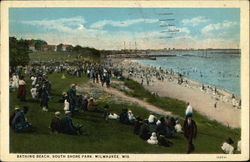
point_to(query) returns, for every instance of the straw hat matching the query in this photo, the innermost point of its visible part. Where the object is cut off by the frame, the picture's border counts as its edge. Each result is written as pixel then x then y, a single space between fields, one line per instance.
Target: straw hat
pixel 73 85
pixel 17 108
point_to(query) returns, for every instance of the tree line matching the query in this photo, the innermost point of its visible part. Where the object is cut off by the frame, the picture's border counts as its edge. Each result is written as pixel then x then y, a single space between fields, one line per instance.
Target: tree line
pixel 20 49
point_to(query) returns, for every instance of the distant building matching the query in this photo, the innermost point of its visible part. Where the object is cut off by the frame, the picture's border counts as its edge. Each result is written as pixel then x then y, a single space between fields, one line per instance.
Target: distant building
pixel 52 47
pixel 64 47
pixel 32 48
pixel 45 48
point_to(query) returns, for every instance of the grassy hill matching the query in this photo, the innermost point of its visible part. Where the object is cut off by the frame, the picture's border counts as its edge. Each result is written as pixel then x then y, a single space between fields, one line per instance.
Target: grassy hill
pixel 108 136
pixel 62 56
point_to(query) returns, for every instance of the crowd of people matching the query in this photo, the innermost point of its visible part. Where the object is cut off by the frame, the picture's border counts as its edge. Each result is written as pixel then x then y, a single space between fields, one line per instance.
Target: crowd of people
pixel 149 74
pixel 157 130
pixel 37 74
pixel 153 130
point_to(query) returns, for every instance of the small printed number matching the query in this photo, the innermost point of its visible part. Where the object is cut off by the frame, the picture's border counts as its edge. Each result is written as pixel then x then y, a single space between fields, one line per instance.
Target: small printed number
pixel 221 157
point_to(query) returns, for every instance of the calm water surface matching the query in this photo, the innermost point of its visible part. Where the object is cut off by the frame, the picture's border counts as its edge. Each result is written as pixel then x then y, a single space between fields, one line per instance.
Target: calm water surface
pixel 218 69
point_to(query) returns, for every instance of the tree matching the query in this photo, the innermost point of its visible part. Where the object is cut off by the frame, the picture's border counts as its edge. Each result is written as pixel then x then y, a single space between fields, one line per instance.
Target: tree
pixel 59 47
pixel 69 48
pixel 77 48
pixel 39 44
pixel 19 52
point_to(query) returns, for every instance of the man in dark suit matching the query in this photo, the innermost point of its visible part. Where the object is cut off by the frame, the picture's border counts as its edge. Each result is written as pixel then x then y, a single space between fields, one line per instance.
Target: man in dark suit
pixel 190 132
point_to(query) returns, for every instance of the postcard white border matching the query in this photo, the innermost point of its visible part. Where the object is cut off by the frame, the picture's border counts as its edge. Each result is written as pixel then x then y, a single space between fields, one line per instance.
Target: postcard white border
pixel 244 45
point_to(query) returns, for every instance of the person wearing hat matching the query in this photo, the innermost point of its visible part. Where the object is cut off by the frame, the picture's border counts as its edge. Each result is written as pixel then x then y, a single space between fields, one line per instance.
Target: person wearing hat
pixel 55 123
pixel 178 127
pixel 91 104
pixel 151 118
pixel 15 80
pixel 67 125
pixel 21 93
pixel 72 98
pixel 19 122
pixel 189 110
pixel 44 98
pixel 13 114
pixel 153 139
pixel 107 78
pixel 190 132
pixel 227 146
pixel 131 117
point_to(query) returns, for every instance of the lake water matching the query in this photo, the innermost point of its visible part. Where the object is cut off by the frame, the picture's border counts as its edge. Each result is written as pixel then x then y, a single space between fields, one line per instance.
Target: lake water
pixel 220 69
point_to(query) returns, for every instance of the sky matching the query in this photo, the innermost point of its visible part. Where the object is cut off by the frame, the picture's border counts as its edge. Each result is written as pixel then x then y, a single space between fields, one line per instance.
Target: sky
pixel 129 28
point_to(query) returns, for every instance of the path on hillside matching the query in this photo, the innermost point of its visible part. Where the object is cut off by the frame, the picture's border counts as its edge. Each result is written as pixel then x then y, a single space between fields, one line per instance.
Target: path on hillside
pixel 116 92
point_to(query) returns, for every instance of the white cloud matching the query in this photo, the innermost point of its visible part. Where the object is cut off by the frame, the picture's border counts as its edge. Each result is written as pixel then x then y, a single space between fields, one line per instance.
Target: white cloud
pixel 73 31
pixel 195 21
pixel 63 25
pixel 219 26
pixel 101 24
pixel 81 27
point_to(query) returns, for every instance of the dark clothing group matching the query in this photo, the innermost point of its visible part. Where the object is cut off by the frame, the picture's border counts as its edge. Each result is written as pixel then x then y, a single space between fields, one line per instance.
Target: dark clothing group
pixel 65 125
pixel 165 129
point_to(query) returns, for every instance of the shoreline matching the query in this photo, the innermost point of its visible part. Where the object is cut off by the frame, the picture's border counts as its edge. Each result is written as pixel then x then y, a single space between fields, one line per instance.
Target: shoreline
pixel 220 92
pixel 196 83
pixel 216 106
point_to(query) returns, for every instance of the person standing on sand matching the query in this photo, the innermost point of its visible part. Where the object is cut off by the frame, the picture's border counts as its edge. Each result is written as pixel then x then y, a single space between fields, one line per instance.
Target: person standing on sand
pixel 190 132
pixel 141 80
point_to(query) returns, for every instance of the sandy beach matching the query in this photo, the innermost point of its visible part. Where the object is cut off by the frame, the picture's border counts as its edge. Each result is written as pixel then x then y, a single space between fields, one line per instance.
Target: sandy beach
pixel 201 101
